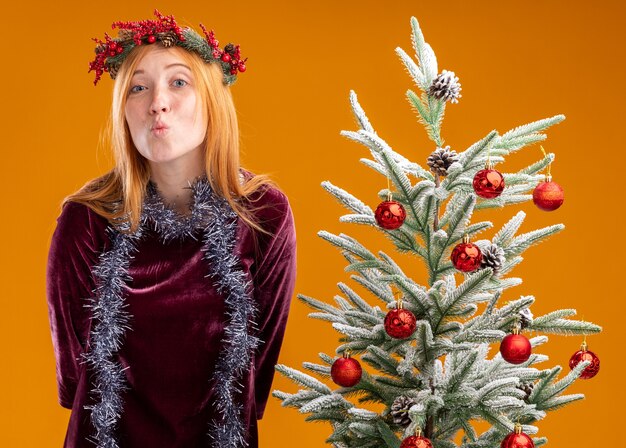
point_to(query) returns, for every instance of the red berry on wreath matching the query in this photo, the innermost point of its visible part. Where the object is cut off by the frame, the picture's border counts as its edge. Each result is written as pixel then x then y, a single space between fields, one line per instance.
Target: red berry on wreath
pixel 585 355
pixel 241 67
pixel 151 39
pixel 488 183
pixel 119 49
pixel 466 256
pixel 346 371
pixel 517 439
pixel 226 57
pixel 416 442
pixel 548 195
pixel 400 323
pixel 390 215
pixel 515 348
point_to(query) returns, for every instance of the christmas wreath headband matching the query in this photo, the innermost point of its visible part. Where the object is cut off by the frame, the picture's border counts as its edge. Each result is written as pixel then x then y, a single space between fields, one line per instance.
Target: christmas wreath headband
pixel 111 52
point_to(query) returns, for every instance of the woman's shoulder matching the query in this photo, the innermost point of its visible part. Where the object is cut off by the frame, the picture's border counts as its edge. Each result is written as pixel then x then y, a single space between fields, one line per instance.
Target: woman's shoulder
pixel 79 214
pixel 270 196
pixel 269 202
pixel 78 224
pixel 266 194
pixel 270 207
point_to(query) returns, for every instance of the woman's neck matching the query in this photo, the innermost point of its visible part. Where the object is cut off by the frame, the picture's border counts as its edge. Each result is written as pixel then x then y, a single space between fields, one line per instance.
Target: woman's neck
pixel 173 180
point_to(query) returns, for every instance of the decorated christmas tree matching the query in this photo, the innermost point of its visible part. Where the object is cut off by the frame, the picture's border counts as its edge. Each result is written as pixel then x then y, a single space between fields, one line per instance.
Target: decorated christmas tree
pixel 420 354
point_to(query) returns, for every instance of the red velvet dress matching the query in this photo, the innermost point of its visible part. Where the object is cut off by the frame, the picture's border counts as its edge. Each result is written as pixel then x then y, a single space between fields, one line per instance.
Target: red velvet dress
pixel 176 327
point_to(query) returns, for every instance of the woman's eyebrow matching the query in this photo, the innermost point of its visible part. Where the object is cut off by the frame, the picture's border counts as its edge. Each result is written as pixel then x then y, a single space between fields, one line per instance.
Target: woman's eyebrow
pixel 175 64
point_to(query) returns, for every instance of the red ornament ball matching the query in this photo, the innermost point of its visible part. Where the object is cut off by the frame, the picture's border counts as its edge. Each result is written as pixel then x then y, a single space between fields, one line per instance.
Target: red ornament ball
pixel 585 355
pixel 520 440
pixel 416 442
pixel 515 348
pixel 119 49
pixel 241 67
pixel 390 215
pixel 548 196
pixel 151 38
pixel 488 183
pixel 346 372
pixel 226 57
pixel 466 257
pixel 400 323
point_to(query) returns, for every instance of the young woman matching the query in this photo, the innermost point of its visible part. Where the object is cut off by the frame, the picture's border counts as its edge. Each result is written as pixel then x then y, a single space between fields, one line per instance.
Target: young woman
pixel 170 277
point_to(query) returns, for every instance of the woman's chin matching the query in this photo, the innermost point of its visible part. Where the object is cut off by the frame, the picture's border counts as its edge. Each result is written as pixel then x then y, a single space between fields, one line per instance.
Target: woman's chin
pixel 164 158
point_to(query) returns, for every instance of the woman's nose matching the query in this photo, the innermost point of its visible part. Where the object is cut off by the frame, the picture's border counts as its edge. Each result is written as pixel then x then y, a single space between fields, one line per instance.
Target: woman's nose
pixel 160 102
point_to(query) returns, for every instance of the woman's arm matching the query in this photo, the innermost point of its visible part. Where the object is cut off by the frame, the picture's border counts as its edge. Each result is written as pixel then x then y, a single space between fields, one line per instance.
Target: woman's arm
pixel 274 286
pixel 69 284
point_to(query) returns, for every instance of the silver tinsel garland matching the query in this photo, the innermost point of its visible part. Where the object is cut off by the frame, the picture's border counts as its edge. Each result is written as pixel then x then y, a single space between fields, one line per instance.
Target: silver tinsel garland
pixel 218 222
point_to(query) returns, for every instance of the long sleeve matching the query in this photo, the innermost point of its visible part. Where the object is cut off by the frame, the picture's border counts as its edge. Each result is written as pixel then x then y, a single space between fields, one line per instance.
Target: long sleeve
pixel 274 286
pixel 69 283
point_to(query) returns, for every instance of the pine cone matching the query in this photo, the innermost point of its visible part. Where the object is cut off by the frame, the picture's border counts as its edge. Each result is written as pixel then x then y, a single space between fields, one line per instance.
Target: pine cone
pixel 400 410
pixel 440 160
pixel 526 318
pixel 446 87
pixel 527 388
pixel 125 34
pixel 230 49
pixel 168 39
pixel 493 257
pixel 113 69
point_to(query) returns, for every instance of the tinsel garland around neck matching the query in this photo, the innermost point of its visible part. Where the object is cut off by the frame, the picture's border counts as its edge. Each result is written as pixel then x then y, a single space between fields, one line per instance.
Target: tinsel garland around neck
pixel 213 216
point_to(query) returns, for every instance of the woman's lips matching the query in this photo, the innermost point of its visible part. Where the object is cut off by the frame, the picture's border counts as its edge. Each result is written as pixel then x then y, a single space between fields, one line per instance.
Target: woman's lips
pixel 159 129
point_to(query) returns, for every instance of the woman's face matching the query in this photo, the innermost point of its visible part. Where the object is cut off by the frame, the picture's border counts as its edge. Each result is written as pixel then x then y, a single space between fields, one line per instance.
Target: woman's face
pixel 161 109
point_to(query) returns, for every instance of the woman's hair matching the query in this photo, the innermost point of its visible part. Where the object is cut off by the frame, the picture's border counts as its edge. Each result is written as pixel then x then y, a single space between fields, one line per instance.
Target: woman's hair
pixel 119 193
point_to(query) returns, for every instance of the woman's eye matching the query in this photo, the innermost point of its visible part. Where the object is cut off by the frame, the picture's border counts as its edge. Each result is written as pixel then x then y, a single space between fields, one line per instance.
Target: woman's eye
pixel 180 83
pixel 135 89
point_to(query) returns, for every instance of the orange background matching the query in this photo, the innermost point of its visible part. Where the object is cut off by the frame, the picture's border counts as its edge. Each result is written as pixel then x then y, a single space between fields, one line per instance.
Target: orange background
pixel 518 61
